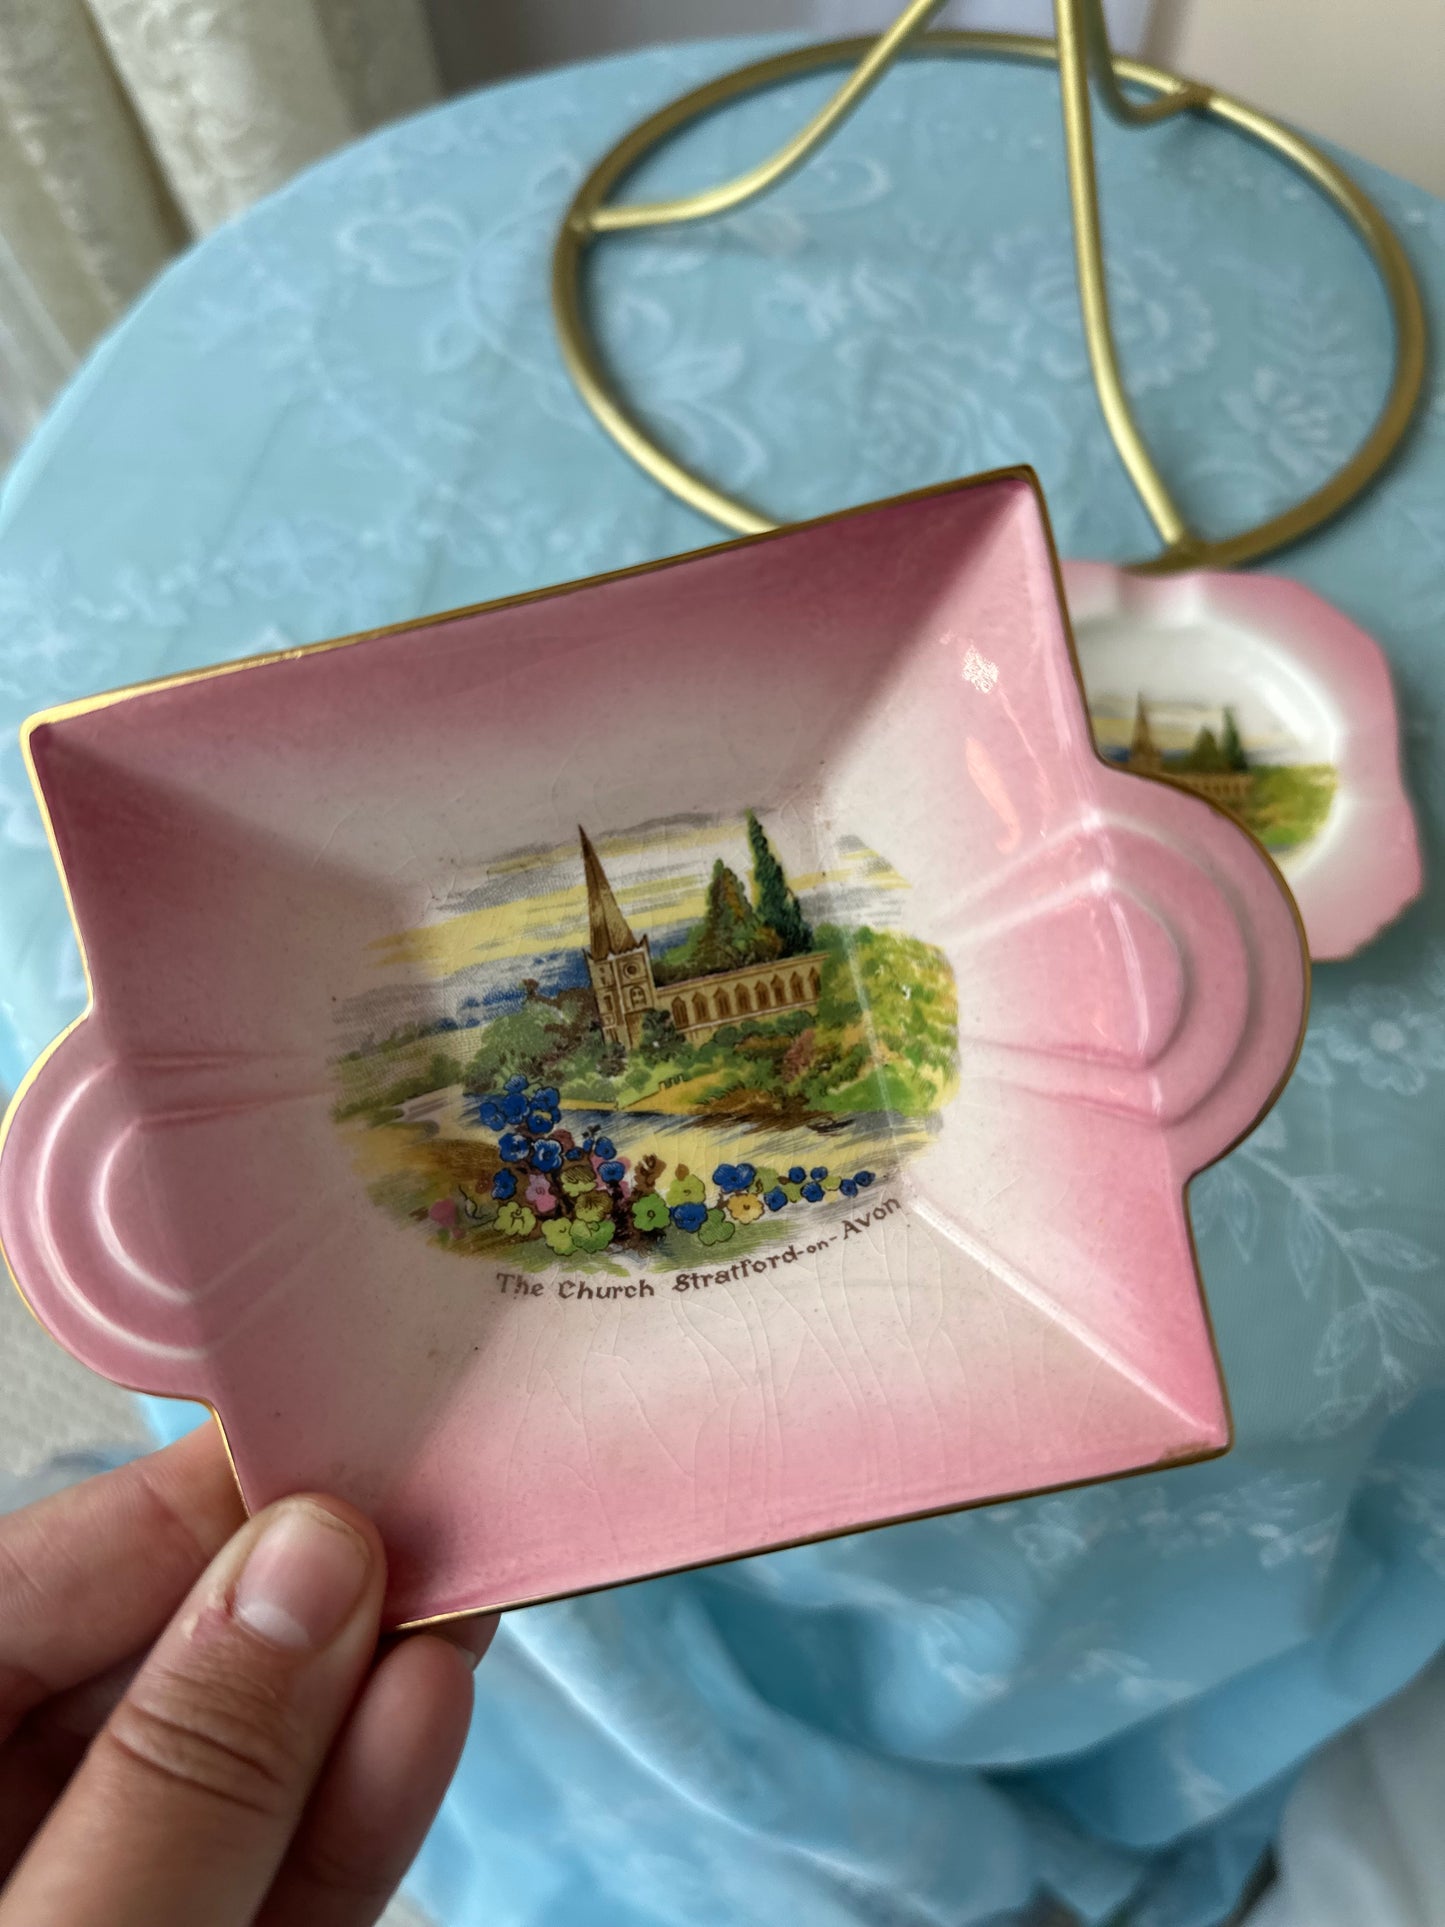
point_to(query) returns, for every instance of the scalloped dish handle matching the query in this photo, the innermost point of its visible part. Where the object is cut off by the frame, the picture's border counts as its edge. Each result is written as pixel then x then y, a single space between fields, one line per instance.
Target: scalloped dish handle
pixel 66 1143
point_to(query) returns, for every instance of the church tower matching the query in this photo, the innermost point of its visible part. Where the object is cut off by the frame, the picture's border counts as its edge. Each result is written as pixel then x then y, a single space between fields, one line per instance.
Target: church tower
pixel 620 967
pixel 1144 754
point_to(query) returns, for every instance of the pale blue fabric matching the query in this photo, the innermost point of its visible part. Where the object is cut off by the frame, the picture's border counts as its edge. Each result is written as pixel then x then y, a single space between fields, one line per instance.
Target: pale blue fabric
pixel 346 409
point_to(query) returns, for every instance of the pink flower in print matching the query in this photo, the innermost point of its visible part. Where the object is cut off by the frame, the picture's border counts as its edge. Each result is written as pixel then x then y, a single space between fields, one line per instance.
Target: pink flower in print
pixel 541 1196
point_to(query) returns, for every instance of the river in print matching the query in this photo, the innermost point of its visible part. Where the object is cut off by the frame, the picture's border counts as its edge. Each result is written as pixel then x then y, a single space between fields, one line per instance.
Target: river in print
pixel 662 1047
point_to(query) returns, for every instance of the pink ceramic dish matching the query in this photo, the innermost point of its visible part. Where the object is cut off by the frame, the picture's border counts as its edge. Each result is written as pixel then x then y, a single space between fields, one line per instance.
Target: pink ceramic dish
pixel 800 1145
pixel 1299 697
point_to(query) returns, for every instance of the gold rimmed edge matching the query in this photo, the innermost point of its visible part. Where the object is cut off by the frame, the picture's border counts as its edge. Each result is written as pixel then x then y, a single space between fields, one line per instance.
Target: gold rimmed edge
pixel 1018 473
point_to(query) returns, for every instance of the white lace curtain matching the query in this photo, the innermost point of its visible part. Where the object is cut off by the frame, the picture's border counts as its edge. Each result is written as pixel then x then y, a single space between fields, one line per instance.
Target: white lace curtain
pixel 129 126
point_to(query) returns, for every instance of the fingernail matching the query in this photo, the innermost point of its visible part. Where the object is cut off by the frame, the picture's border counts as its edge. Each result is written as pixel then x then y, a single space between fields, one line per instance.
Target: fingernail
pixel 302 1579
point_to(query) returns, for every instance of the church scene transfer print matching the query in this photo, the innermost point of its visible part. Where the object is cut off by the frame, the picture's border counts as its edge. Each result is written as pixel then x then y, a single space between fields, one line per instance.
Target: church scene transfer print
pixel 1266 784
pixel 650 1048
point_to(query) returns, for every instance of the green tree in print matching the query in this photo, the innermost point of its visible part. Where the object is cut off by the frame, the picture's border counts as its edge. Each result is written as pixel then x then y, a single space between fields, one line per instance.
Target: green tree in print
pixel 730 934
pixel 1230 744
pixel 777 905
pixel 1205 757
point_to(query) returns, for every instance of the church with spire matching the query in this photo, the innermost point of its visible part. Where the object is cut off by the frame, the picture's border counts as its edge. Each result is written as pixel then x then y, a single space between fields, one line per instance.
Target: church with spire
pixel 1223 776
pixel 619 964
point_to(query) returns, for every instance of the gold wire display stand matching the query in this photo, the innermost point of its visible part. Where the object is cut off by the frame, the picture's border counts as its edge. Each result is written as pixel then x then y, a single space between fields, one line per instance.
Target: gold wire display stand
pixel 1083 55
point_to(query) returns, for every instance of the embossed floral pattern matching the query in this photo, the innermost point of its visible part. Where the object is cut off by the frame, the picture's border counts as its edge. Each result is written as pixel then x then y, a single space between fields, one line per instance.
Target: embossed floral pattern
pixel 1383 1335
pixel 1025 293
pixel 1391 1043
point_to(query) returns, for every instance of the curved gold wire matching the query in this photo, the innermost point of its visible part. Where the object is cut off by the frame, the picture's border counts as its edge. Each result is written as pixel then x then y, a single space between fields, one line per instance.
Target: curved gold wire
pixel 1073 56
pixel 727 195
pixel 1117 104
pixel 1082 48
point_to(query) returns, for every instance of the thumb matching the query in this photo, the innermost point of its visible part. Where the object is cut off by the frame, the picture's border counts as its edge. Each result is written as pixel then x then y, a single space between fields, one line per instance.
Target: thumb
pixel 189 1795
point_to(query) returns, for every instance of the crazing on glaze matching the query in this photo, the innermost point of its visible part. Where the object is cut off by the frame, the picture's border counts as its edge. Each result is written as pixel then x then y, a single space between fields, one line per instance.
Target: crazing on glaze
pixel 1012 1304
pixel 700 1070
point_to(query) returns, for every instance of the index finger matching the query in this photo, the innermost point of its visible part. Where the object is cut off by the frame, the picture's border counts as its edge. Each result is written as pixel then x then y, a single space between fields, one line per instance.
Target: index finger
pixel 89 1576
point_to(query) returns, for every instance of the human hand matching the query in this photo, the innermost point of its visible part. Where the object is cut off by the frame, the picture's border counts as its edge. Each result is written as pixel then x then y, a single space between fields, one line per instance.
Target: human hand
pixel 195 1726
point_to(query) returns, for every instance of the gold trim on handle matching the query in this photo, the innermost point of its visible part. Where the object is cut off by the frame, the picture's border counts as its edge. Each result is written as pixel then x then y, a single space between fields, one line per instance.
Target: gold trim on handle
pixel 1081 52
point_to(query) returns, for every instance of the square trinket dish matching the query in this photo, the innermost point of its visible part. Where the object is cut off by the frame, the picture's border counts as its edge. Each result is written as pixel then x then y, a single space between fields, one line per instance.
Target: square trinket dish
pixel 671 1066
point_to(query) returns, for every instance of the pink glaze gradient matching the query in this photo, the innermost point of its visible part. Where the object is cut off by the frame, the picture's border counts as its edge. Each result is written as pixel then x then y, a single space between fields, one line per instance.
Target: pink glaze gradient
pixel 179 1208
pixel 1364 867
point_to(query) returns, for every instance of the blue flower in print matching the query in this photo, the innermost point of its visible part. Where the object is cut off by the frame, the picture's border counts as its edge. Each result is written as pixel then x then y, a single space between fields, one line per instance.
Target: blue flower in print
pixel 689 1217
pixel 775 1199
pixel 733 1177
pixel 813 1191
pixel 504 1185
pixel 490 1113
pixel 547 1154
pixel 612 1171
pixel 514 1147
pixel 514 1104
